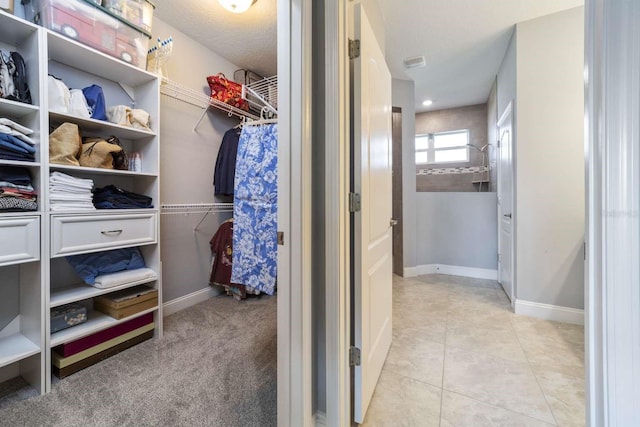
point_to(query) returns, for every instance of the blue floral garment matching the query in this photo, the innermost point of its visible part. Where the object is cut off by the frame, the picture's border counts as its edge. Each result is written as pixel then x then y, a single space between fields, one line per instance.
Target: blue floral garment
pixel 255 209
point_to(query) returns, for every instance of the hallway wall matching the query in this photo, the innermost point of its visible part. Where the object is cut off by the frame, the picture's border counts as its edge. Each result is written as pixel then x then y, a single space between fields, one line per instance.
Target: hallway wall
pixel 187 159
pixel 550 203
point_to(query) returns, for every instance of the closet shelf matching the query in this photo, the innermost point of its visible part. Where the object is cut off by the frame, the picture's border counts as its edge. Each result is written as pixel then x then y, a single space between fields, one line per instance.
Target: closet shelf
pixel 14 214
pixel 80 291
pixel 101 127
pixel 19 163
pixel 182 93
pixel 96 322
pixel 89 60
pixel 81 169
pixel 103 212
pixel 188 208
pixel 16 347
pixel 16 109
pixel 14 30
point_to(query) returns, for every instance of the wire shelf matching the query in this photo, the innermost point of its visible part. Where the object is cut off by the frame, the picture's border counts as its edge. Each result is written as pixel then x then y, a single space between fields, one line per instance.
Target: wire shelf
pixel 185 94
pixel 195 208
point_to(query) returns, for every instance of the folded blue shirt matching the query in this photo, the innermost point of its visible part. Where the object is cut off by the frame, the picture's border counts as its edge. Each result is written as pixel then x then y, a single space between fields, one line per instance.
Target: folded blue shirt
pixel 10 140
pixel 90 266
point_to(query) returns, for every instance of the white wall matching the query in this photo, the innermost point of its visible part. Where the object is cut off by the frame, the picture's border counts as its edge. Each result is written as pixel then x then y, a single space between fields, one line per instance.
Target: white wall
pixel 506 89
pixel 187 162
pixel 403 94
pixel 550 204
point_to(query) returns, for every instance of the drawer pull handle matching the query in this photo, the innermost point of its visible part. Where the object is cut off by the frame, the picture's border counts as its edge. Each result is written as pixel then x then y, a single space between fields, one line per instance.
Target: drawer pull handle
pixel 111 232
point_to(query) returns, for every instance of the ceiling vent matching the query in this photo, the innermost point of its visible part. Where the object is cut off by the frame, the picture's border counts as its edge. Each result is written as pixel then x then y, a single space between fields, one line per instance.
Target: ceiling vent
pixel 415 62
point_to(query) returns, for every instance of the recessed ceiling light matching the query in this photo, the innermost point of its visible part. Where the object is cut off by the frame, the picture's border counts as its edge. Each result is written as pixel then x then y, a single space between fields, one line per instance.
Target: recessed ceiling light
pixel 414 62
pixel 427 102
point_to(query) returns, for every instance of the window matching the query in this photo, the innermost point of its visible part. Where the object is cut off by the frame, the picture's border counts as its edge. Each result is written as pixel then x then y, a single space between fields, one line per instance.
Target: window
pixel 442 147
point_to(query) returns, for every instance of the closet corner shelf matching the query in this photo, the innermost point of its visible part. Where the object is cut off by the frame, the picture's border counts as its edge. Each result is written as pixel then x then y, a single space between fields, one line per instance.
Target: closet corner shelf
pixel 104 128
pixel 81 169
pixel 80 291
pixel 96 322
pixel 19 163
pixel 16 347
pixel 16 109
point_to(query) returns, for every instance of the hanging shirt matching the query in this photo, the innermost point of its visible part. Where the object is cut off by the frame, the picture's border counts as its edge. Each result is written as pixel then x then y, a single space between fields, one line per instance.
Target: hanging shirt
pixel 223 176
pixel 255 209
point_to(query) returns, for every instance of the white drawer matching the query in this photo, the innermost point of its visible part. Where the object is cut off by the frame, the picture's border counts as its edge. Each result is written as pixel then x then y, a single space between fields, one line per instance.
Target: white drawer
pixel 90 233
pixel 19 239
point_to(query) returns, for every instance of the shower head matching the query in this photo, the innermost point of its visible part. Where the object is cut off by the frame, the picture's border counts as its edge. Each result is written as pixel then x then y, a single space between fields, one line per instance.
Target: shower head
pixel 484 147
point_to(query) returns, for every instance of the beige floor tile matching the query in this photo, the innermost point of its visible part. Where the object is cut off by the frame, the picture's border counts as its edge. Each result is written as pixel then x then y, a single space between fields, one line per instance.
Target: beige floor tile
pixel 500 382
pixel 462 411
pixel 492 341
pixel 403 402
pixel 415 357
pixel 564 332
pixel 428 328
pixel 548 354
pixel 566 396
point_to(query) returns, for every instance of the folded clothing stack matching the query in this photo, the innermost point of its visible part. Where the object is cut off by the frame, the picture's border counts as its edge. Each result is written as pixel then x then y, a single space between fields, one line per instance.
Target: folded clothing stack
pixel 93 265
pixel 16 191
pixel 67 193
pixel 112 197
pixel 15 144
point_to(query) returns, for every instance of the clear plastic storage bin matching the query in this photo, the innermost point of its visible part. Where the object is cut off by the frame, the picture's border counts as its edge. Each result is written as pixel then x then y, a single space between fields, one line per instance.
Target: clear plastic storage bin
pixel 138 12
pixel 90 24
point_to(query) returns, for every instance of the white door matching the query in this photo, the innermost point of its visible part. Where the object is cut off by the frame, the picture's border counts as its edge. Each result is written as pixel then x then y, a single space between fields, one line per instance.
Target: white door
pixel 372 255
pixel 505 203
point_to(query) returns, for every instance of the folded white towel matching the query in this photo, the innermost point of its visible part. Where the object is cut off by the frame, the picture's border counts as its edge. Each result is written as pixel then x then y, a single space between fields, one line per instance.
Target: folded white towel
pixel 9 131
pixel 72 207
pixel 10 123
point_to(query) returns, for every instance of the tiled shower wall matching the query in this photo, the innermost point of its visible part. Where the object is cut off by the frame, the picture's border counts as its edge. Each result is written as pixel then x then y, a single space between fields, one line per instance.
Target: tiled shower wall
pixel 454 176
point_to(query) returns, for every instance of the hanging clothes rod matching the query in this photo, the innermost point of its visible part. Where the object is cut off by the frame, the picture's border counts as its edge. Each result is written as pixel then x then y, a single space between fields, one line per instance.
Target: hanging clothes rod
pixel 191 208
pixel 168 209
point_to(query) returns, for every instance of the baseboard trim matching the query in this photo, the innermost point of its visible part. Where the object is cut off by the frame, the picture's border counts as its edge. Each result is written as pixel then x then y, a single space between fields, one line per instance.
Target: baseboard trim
pixel 550 312
pixel 321 419
pixel 451 270
pixel 188 300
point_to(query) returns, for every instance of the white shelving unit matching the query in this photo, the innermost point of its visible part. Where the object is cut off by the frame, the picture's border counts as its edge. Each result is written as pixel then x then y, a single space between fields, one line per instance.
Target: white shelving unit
pixel 33 277
pixel 22 256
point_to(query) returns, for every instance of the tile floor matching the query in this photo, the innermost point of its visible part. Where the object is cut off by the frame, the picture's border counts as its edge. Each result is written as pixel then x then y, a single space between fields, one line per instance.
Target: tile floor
pixel 460 358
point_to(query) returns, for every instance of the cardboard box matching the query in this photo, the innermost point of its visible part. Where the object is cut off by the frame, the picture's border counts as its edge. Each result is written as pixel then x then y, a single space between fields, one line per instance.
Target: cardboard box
pixel 77 346
pixel 90 24
pixel 127 302
pixel 63 367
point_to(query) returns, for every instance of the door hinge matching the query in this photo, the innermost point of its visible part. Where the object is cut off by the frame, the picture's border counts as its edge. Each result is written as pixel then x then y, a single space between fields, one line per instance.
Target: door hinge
pixel 498 143
pixel 354 49
pixel 354 202
pixel 354 356
pixel 280 238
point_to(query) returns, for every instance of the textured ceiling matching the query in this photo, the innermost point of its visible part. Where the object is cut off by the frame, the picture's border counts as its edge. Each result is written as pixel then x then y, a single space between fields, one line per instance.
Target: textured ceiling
pixel 463 41
pixel 247 40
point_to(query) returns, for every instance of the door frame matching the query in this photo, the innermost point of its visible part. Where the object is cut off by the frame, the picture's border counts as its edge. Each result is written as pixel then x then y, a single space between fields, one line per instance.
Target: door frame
pixel 612 305
pixel 337 217
pixel 398 229
pixel 509 111
pixel 294 341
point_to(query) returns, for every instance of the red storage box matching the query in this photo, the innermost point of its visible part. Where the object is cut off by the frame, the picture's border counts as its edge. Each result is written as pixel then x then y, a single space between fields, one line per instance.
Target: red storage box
pixel 93 26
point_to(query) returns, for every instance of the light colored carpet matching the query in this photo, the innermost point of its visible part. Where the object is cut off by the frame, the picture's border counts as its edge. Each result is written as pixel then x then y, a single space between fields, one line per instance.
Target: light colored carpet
pixel 215 366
